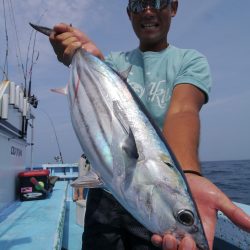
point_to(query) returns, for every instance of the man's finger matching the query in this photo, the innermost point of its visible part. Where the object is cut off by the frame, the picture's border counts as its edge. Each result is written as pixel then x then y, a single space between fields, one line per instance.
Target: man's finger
pixel 156 240
pixel 69 52
pixel 187 244
pixel 234 213
pixel 62 28
pixel 169 243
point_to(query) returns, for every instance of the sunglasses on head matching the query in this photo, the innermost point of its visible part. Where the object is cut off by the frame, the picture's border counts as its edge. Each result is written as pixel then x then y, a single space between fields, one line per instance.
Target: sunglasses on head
pixel 137 6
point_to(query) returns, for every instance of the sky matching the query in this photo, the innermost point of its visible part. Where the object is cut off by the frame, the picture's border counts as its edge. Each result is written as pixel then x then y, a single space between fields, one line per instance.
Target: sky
pixel 219 29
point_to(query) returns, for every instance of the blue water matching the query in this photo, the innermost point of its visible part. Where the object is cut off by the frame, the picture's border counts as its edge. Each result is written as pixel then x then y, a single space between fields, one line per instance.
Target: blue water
pixel 232 177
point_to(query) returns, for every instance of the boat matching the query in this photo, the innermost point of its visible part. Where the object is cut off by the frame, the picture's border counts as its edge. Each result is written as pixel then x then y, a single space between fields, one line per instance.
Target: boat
pixel 16 119
pixel 15 115
pixel 55 222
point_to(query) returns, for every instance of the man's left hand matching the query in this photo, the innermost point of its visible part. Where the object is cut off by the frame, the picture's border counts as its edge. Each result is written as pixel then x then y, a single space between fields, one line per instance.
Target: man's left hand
pixel 209 200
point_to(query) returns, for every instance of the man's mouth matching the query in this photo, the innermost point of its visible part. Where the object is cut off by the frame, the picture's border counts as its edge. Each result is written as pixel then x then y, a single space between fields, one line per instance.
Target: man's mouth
pixel 149 25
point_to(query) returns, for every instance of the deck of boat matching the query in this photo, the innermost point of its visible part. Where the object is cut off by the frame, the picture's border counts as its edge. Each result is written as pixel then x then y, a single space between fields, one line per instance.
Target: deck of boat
pixel 52 224
pixel 42 224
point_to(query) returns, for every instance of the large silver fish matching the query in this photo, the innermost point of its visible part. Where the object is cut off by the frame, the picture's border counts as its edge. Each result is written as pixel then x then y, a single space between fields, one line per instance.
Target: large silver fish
pixel 128 152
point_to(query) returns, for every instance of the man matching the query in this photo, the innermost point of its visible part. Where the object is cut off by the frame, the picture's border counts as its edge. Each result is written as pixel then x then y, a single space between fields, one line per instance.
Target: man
pixel 173 84
pixel 83 167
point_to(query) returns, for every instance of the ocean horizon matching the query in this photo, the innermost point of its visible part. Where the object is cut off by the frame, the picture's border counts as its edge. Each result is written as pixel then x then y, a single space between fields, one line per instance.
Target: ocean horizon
pixel 231 176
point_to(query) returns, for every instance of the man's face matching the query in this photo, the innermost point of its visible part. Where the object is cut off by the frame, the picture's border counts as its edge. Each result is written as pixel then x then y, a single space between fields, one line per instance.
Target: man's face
pixel 151 22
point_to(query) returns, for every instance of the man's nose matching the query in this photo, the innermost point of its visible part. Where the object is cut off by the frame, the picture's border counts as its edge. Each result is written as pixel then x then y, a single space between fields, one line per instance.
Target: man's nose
pixel 149 10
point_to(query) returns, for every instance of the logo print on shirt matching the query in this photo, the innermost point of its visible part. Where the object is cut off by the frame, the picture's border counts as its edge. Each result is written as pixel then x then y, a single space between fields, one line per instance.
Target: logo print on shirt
pixel 139 90
pixel 158 93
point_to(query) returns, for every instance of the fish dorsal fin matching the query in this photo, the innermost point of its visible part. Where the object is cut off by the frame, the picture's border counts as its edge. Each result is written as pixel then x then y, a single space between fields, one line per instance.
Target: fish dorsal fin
pixel 129 144
pixel 123 74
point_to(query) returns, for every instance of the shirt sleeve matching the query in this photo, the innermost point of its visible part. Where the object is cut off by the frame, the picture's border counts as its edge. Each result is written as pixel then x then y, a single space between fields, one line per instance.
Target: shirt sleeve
pixel 195 70
pixel 111 59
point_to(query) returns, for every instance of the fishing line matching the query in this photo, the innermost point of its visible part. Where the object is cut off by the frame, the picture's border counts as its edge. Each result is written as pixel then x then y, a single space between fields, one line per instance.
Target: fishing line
pixel 5 67
pixel 54 130
pixel 17 43
pixel 27 57
pixel 28 91
pixel 31 66
pixel 33 62
pixel 4 74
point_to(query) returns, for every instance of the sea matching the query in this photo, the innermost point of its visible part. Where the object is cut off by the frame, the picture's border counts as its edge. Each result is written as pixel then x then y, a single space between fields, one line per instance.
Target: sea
pixel 232 177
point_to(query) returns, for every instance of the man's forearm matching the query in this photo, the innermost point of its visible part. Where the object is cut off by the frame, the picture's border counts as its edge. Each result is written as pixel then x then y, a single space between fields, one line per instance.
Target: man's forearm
pixel 182 131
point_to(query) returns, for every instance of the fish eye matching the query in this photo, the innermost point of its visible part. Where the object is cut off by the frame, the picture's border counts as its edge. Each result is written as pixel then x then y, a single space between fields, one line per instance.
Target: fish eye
pixel 185 217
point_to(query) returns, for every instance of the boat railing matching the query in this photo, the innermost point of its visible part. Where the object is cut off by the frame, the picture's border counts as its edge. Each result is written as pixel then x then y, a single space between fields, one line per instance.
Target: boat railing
pixel 68 171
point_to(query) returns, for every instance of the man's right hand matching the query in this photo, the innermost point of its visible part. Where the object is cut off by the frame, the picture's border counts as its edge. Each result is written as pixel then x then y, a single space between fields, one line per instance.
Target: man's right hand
pixel 66 40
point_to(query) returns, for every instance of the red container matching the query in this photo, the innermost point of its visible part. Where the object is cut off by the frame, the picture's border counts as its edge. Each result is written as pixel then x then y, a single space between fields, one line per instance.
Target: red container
pixel 34 184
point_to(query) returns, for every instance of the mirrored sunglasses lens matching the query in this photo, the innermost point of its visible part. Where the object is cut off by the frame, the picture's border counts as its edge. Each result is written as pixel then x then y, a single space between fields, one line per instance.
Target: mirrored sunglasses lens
pixel 137 6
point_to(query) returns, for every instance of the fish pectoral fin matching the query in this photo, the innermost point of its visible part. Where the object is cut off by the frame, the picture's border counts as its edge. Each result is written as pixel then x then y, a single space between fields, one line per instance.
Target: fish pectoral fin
pixel 129 146
pixel 90 180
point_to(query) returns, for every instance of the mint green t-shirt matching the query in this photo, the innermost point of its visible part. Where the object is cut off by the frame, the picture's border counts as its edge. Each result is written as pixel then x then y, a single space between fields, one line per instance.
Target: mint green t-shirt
pixel 154 75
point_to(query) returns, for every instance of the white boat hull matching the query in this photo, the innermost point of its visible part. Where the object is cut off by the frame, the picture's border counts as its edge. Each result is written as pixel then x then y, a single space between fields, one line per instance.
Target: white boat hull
pixel 12 140
pixel 12 162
